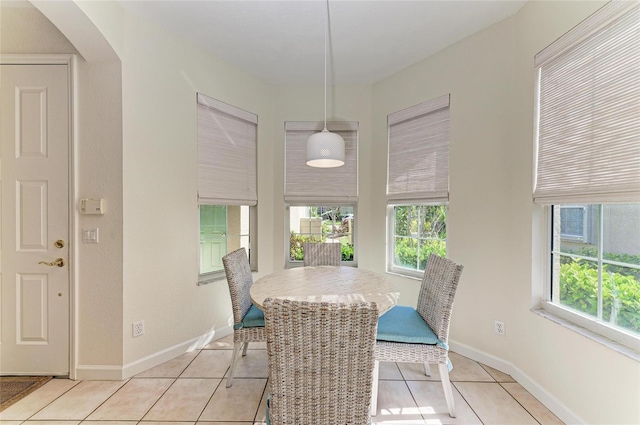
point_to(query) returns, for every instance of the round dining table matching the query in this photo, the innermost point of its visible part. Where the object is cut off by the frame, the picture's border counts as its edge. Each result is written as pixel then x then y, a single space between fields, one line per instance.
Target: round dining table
pixel 334 284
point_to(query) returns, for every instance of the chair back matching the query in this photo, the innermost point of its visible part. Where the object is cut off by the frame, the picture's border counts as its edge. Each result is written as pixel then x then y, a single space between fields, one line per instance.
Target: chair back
pixel 321 359
pixel 239 278
pixel 437 292
pixel 322 254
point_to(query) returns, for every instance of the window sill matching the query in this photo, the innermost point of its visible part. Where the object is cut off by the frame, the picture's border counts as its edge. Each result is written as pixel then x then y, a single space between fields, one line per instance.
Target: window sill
pixel 406 275
pixel 587 333
pixel 296 264
pixel 210 278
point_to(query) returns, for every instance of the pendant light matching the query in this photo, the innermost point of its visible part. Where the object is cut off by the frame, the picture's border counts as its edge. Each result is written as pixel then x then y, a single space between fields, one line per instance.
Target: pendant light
pixel 325 149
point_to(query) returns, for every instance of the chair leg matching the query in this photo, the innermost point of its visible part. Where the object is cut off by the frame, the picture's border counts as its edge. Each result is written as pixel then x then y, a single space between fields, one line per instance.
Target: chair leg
pixel 234 357
pixel 427 369
pixel 244 350
pixel 374 389
pixel 446 386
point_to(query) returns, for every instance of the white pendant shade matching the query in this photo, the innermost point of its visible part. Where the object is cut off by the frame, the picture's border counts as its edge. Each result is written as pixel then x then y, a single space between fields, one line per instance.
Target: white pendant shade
pixel 325 150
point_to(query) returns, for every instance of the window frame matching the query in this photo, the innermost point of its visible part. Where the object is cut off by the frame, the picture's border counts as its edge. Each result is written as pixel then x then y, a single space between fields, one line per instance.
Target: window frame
pixel 341 184
pixel 588 323
pixel 227 167
pixel 423 130
pixel 288 263
pixel 208 277
pixel 391 225
pixel 596 178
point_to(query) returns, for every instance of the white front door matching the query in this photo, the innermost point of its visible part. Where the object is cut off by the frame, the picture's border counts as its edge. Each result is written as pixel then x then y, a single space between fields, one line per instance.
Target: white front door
pixel 34 131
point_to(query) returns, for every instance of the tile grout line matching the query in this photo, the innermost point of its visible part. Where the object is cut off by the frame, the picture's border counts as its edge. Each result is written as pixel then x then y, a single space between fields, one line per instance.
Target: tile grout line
pixel 106 399
pixel 169 387
pixel 501 386
pixel 158 399
pixel 466 401
pixel 507 391
pixel 493 381
pixel 264 393
pixel 48 404
pixel 212 394
pixel 424 420
pixel 180 377
pixel 520 404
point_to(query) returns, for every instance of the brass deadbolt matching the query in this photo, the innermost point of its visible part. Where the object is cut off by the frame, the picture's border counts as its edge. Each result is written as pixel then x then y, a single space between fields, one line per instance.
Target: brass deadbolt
pixel 59 243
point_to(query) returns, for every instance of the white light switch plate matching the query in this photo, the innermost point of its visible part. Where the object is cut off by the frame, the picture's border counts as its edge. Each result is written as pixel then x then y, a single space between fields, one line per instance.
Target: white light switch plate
pixel 90 235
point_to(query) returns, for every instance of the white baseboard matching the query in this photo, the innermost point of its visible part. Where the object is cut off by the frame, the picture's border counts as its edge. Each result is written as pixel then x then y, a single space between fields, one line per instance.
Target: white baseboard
pixel 98 373
pixel 119 373
pixel 551 402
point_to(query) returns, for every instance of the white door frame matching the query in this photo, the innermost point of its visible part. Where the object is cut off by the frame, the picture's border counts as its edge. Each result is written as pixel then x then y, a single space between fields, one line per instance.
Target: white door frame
pixel 71 62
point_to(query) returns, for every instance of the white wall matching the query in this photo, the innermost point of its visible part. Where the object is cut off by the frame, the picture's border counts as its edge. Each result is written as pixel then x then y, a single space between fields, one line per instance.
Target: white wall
pixel 491 227
pixel 99 175
pixel 160 78
pixel 25 30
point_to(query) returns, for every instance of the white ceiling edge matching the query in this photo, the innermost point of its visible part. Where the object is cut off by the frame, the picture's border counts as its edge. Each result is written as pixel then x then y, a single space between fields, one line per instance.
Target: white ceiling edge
pixel 282 42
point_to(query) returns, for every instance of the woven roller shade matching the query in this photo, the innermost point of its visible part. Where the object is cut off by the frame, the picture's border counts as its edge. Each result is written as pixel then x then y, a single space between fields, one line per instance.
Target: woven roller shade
pixel 588 141
pixel 418 159
pixel 226 154
pixel 309 184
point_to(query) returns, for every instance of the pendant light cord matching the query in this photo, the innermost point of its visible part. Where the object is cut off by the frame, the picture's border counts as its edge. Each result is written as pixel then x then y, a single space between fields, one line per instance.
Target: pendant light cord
pixel 326 29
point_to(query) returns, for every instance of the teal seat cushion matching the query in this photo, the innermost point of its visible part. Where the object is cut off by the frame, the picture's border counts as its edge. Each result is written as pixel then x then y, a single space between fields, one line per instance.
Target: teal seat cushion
pixel 253 319
pixel 404 324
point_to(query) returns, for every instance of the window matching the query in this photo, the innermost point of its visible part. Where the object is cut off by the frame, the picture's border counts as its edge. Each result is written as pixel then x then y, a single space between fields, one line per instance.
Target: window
pixel 321 202
pixel 223 229
pixel 327 224
pixel 417 185
pixel 227 189
pixel 588 171
pixel 601 278
pixel 417 231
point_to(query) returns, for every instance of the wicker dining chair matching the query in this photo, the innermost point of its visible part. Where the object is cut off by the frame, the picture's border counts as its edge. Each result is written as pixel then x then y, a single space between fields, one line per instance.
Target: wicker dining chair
pixel 321 359
pixel 321 254
pixel 248 320
pixel 421 335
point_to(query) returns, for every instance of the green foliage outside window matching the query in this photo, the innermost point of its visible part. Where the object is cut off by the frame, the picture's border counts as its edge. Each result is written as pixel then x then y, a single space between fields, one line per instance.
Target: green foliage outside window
pixel 406 252
pixel 620 289
pixel 419 230
pixel 297 254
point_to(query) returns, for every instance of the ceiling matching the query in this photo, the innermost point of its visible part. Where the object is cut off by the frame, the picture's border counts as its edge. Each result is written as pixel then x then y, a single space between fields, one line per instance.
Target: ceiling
pixel 282 42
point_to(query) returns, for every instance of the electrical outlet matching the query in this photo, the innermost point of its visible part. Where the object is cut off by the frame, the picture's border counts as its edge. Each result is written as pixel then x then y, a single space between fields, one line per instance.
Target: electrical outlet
pixel 138 328
pixel 498 328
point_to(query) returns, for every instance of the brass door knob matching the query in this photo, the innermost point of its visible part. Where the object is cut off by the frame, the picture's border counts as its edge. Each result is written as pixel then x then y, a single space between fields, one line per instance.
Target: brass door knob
pixel 57 262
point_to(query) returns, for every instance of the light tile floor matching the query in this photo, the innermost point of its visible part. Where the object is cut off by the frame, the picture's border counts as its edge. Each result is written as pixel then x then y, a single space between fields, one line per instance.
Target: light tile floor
pixel 191 389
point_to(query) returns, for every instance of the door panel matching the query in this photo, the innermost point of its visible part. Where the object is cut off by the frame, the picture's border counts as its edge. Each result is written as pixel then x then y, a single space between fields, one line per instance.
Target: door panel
pixel 34 130
pixel 31 309
pixel 31 127
pixel 31 214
